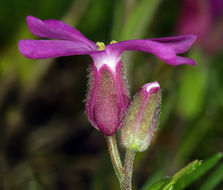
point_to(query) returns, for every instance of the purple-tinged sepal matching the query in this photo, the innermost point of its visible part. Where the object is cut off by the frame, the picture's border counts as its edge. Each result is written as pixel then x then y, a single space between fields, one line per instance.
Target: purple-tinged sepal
pixel 107 98
pixel 141 119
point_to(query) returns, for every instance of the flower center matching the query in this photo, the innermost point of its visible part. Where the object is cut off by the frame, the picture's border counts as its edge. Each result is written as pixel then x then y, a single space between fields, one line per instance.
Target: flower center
pixel 101 46
pixel 113 42
pixel 105 57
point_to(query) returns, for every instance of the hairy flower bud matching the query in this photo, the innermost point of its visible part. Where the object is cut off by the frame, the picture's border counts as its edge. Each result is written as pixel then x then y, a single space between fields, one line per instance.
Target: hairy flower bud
pixel 141 119
pixel 107 98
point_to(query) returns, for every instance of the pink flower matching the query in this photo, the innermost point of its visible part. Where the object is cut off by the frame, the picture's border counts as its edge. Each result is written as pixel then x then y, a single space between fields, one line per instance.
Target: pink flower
pixel 107 98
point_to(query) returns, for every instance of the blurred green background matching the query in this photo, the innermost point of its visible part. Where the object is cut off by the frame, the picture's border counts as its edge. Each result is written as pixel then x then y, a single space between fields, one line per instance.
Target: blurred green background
pixel 46 141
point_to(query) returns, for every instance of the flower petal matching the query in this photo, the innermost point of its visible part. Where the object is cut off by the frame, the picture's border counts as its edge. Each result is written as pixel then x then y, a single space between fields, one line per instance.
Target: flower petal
pixel 164 48
pixel 180 44
pixel 43 49
pixel 57 30
pixel 178 60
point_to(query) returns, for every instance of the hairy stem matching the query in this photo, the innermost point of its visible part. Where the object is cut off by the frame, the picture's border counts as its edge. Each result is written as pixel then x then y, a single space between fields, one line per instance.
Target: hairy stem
pixel 128 168
pixel 115 157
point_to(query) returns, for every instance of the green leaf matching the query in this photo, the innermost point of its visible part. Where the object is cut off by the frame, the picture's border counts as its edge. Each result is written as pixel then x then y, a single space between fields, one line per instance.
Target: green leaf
pixel 182 173
pixel 192 172
pixel 159 184
pixel 215 178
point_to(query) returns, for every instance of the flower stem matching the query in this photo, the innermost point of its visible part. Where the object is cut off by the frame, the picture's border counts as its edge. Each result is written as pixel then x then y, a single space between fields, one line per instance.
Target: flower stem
pixel 128 168
pixel 115 157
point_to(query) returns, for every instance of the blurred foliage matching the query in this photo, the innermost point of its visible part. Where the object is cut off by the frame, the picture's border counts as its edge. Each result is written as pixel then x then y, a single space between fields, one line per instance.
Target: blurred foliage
pixel 46 141
pixel 189 174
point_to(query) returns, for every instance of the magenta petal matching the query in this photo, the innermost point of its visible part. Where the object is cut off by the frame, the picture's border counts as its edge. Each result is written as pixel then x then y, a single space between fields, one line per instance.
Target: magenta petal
pixel 164 48
pixel 178 60
pixel 43 49
pixel 57 30
pixel 180 44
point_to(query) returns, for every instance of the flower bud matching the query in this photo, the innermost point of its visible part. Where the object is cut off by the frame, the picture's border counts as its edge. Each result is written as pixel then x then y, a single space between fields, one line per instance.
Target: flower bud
pixel 107 98
pixel 141 119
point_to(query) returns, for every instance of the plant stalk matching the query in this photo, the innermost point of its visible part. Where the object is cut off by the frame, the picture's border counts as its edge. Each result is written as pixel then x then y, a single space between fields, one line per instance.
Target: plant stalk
pixel 128 168
pixel 115 157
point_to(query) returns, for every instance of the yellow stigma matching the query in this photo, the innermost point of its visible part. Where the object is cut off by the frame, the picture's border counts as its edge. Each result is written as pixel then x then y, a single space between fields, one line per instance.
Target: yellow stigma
pixel 101 46
pixel 113 42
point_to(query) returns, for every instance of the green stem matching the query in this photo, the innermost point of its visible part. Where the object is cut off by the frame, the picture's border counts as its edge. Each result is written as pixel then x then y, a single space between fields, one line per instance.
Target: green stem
pixel 128 168
pixel 115 157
